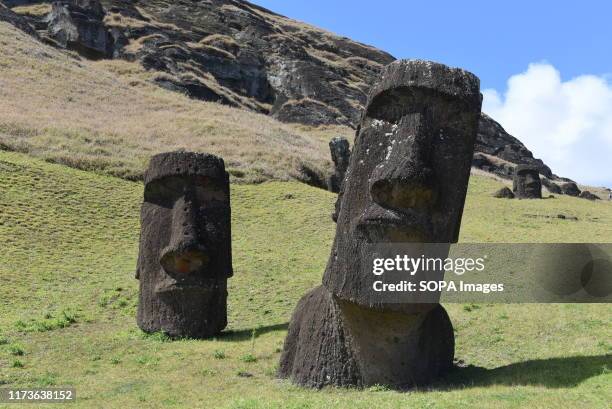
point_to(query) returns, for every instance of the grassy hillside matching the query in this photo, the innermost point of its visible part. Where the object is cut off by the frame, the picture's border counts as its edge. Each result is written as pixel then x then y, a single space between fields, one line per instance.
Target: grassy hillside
pixel 68 297
pixel 108 117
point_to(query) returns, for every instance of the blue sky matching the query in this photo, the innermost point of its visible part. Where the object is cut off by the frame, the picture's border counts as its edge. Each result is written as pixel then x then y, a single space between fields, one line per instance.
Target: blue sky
pixel 545 66
pixel 491 39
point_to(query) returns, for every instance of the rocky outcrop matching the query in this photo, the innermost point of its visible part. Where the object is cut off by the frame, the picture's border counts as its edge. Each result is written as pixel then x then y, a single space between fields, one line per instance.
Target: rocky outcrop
pixel 493 140
pixel 240 54
pixel 227 51
pixel 504 193
pixel 585 194
pixel 78 25
pixel 237 53
pixel 492 164
pixel 16 20
pixel 570 188
pixel 551 186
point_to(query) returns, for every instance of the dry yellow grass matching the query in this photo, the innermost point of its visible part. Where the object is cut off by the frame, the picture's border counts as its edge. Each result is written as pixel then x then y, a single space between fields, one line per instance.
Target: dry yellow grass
pixel 108 117
pixel 35 10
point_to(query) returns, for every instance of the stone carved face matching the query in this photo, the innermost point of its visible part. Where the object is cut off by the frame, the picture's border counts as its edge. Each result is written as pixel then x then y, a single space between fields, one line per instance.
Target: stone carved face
pixel 409 168
pixel 527 182
pixel 185 246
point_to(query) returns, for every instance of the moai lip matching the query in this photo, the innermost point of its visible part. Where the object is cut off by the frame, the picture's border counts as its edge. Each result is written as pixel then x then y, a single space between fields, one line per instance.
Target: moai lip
pixel 406 182
pixel 526 183
pixel 185 257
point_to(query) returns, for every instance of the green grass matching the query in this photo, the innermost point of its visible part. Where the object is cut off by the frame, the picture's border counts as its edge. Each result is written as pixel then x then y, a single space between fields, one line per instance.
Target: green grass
pixel 68 298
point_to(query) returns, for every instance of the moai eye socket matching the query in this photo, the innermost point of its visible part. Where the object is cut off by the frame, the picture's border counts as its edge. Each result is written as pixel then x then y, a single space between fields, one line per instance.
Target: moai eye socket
pixel 165 190
pixel 211 196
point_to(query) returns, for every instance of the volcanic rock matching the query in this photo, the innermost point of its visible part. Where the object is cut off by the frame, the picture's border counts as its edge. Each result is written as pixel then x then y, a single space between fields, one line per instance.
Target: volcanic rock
pixel 78 25
pixel 551 186
pixel 585 194
pixel 504 193
pixel 185 256
pixel 341 154
pixel 526 182
pixel 570 188
pixel 343 333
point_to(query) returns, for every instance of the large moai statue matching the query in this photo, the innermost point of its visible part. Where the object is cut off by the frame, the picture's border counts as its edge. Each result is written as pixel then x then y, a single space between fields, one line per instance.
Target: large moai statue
pixel 526 183
pixel 185 255
pixel 406 182
pixel 341 154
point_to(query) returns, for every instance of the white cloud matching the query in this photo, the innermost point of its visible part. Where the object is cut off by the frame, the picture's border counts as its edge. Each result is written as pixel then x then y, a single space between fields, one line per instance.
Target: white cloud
pixel 566 124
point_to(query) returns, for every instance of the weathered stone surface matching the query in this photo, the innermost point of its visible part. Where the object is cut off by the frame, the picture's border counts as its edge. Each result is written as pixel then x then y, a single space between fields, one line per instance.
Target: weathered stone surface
pixel 493 140
pixel 244 55
pixel 526 183
pixel 335 342
pixel 504 193
pixel 185 257
pixel 409 166
pixel 309 112
pixel 317 320
pixel 492 164
pixel 16 20
pixel 237 53
pixel 407 181
pixel 551 186
pixel 585 194
pixel 78 25
pixel 570 188
pixel 340 154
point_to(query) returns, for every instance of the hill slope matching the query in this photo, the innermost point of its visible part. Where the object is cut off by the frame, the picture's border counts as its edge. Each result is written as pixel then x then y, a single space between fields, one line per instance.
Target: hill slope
pixel 107 116
pixel 67 303
pixel 241 55
pixel 233 52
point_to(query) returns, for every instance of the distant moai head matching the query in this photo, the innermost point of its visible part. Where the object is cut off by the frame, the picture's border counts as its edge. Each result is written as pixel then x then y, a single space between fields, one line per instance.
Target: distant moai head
pixel 185 255
pixel 409 167
pixel 340 152
pixel 526 183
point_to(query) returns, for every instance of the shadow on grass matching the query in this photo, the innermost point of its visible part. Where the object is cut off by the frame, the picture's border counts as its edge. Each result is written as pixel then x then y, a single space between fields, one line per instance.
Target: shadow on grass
pixel 245 334
pixel 550 373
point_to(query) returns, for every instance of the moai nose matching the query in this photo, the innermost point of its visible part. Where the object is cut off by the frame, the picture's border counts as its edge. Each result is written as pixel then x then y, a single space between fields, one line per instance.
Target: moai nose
pixel 186 254
pixel 404 180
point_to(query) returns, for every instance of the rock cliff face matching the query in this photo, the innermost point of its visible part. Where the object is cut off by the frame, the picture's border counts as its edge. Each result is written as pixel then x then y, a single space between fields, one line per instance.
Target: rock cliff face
pixel 240 54
pixel 15 19
pixel 493 140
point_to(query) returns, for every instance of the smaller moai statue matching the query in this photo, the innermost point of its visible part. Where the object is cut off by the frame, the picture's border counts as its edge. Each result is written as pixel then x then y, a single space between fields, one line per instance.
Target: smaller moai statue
pixel 341 155
pixel 185 255
pixel 526 183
